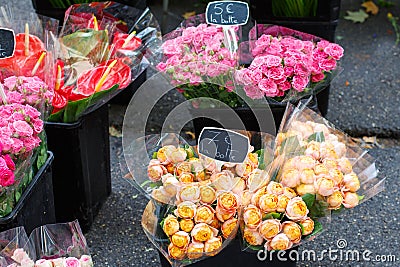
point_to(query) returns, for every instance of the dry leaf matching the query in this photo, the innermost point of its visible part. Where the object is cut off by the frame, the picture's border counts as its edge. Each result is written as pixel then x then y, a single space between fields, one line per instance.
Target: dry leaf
pixel 369 139
pixel 356 16
pixel 114 132
pixel 191 134
pixel 347 83
pixel 189 14
pixel 128 175
pixel 370 7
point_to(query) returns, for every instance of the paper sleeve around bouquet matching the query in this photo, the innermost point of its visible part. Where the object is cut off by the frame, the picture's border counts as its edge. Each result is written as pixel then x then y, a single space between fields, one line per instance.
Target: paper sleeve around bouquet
pixel 195 205
pixel 283 65
pixel 101 51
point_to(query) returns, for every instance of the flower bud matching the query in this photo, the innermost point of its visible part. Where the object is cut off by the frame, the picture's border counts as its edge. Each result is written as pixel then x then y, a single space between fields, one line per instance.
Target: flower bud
pixel 337 176
pixel 292 230
pixel 252 216
pixel 227 201
pixel 351 182
pixel 308 226
pixel 204 214
pixel 180 239
pixel 269 228
pixel 183 167
pixel 296 209
pixel 162 153
pixel 177 155
pixel 171 225
pixel 268 203
pixel 350 200
pixel 228 227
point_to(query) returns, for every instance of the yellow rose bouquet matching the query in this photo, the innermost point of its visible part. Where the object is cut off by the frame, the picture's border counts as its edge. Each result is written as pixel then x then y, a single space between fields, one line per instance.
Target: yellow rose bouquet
pixel 195 205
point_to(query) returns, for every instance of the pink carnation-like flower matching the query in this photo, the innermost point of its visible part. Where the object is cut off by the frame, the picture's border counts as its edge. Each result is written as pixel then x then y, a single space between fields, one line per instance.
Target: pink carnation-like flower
pixel 6 177
pixel 253 92
pixel 269 87
pixel 22 128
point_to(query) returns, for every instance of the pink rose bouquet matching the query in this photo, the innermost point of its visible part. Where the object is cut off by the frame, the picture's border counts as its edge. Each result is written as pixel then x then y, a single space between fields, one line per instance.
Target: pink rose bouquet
pixel 20 126
pixel 197 61
pixel 29 91
pixel 288 64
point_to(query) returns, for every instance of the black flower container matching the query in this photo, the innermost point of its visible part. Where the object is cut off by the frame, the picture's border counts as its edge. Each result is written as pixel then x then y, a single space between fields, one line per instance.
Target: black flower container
pixel 233 256
pixel 81 169
pixel 36 204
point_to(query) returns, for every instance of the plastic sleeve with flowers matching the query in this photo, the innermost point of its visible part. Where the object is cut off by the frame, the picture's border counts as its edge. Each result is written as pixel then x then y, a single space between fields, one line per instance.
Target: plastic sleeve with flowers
pixel 286 65
pixel 192 231
pixel 195 58
pixel 101 51
pixel 27 76
pixel 316 159
pixel 16 248
pixel 63 242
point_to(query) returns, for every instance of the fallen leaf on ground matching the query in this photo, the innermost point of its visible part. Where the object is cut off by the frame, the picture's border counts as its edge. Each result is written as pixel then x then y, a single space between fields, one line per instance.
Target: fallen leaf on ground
pixel 114 131
pixel 191 134
pixel 356 16
pixel 370 7
pixel 128 175
pixel 189 14
pixel 347 83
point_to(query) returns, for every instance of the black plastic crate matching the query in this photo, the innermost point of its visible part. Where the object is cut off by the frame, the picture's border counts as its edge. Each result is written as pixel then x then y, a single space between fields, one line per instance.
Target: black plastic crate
pixel 81 169
pixel 327 10
pixel 36 205
pixel 233 256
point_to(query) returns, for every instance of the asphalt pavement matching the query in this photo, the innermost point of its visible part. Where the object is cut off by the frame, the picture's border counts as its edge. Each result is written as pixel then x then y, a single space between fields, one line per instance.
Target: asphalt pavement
pixel 364 102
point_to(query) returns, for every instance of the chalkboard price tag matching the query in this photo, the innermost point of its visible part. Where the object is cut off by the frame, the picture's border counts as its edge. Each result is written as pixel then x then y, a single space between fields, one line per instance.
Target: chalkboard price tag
pixel 223 145
pixel 227 13
pixel 7 43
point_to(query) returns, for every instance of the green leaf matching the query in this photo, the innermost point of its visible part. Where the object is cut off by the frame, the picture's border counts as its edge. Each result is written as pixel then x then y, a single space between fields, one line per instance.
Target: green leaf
pixel 154 155
pixel 17 196
pixel 74 109
pixel 272 215
pixel 309 199
pixel 261 159
pixel 356 16
pixel 290 144
pixel 318 228
pixel 361 198
pixel 318 137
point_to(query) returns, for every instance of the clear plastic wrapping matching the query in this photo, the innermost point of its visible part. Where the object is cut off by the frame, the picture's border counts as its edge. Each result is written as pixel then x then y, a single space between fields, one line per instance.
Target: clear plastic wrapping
pixel 100 51
pixel 48 245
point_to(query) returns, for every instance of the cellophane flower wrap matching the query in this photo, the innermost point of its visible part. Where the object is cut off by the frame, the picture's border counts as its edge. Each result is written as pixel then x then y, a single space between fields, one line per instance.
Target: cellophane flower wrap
pixel 286 65
pixel 26 80
pixel 17 250
pixel 196 58
pixel 101 51
pixel 195 206
pixel 27 77
pixel 49 245
pixel 317 171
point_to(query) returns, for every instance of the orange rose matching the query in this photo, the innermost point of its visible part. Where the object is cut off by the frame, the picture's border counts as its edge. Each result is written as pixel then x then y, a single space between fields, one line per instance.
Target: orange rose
pixel 279 242
pixel 268 203
pixel 292 230
pixel 186 177
pixel 252 237
pixel 351 182
pixel 186 225
pixel 207 194
pixel 213 245
pixel 308 226
pixel 275 188
pixel 290 178
pixel 335 200
pixel 180 239
pixel 325 186
pixel 186 210
pixel 252 216
pixel 171 225
pixel 228 227
pixel 202 232
pixel 282 203
pixel 227 202
pixel 204 214
pixel 296 209
pixel 270 228
pixel 195 250
pixel 175 252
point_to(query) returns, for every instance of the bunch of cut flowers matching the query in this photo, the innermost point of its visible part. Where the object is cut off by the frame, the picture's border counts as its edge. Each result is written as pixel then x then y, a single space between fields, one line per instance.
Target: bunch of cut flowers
pixel 61 245
pixel 287 65
pixel 100 51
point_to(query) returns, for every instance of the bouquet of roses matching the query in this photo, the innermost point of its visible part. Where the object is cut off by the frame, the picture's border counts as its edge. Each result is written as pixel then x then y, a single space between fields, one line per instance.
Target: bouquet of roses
pixel 197 60
pixel 101 50
pixel 195 207
pixel 286 65
pixel 316 170
pixel 50 245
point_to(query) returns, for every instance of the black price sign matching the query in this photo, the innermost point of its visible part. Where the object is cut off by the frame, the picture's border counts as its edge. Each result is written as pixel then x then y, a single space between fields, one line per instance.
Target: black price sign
pixel 229 13
pixel 7 43
pixel 223 145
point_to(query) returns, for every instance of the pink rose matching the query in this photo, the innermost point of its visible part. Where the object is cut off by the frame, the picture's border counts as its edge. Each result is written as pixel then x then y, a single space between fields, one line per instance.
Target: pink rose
pixel 6 177
pixel 31 111
pixel 327 64
pixel 284 86
pixel 301 70
pixel 269 87
pixel 38 126
pixel 43 263
pixel 8 162
pixel 253 92
pixel 17 117
pixel 299 83
pixel 317 77
pixel 22 128
pixel 276 73
pixel 14 97
pixel 169 47
pixel 86 261
pixel 72 262
pixel 162 66
pixel 256 75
